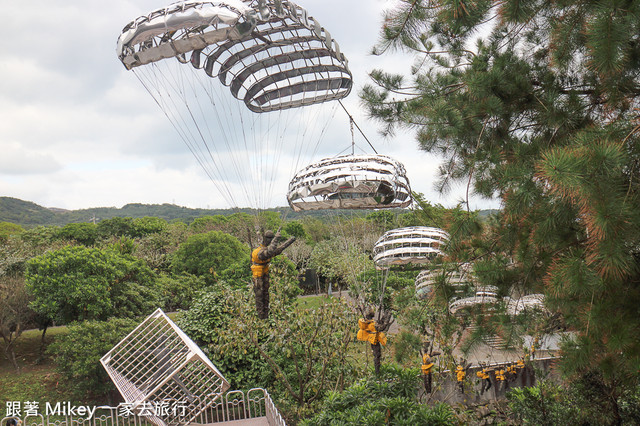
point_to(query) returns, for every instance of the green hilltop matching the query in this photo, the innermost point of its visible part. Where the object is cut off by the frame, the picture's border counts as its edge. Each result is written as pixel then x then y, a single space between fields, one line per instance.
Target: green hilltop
pixel 29 214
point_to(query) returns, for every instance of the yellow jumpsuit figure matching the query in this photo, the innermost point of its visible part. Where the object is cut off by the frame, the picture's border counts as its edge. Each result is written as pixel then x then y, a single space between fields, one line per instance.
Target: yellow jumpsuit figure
pixel 260 259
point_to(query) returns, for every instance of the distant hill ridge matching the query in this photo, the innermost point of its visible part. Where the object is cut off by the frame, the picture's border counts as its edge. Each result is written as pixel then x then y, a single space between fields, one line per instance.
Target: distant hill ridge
pixel 29 214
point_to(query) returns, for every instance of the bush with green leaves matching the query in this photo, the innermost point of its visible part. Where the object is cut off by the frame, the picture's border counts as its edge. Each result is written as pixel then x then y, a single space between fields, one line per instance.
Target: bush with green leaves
pixel 209 322
pixel 211 254
pixel 298 354
pixel 390 398
pixel 115 227
pixel 294 229
pixel 587 400
pixel 179 292
pixel 77 355
pixel 143 226
pixel 543 404
pixel 79 283
pixel 8 229
pixel 84 233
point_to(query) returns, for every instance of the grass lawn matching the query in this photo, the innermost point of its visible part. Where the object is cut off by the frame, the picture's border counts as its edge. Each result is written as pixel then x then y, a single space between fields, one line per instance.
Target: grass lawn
pixel 35 382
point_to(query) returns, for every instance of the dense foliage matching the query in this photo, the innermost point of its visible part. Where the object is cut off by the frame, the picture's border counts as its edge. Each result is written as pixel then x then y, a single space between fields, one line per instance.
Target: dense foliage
pixel 388 398
pixel 537 103
pixel 78 354
pixel 77 283
pixel 214 255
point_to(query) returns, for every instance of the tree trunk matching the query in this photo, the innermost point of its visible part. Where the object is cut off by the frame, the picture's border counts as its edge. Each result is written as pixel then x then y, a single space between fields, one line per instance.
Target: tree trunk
pixel 41 352
pixel 10 354
pixel 377 357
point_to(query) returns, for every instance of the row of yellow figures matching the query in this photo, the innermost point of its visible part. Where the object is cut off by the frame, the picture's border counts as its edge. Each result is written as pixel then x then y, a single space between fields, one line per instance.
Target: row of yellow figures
pixel 368 332
pixel 502 374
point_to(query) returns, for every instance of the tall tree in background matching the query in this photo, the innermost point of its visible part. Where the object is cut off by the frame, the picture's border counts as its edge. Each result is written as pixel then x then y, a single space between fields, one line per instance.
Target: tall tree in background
pixel 537 103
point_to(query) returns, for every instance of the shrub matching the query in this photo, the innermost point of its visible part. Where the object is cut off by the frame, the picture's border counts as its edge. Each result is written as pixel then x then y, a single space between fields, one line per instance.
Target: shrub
pixel 77 355
pixel 390 398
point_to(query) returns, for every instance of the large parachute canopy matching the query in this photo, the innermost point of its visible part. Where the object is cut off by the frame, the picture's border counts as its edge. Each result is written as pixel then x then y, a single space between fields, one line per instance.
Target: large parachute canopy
pixel 351 182
pixel 212 65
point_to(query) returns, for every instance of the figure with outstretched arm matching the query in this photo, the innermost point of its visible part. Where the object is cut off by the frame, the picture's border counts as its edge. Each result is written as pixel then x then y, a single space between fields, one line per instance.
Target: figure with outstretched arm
pixel 260 259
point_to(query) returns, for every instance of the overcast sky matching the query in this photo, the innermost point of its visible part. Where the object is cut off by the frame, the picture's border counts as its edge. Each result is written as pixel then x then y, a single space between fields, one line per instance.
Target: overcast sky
pixel 78 130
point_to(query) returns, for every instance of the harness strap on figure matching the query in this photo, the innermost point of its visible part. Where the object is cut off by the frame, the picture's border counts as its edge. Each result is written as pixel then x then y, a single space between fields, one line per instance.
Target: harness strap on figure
pixel 259 267
pixel 460 373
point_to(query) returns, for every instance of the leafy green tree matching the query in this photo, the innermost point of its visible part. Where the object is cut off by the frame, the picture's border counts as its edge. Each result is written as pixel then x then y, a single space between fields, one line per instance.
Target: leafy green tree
pixel 116 227
pixel 295 229
pixel 78 283
pixel 15 315
pixel 156 248
pixel 315 228
pixel 388 398
pixel 208 223
pixel 210 254
pixel 77 356
pixel 540 109
pixel 7 229
pixel 84 233
pixel 179 292
pixel 40 236
pixel 542 404
pixel 143 226
pixel 299 354
pixel 210 322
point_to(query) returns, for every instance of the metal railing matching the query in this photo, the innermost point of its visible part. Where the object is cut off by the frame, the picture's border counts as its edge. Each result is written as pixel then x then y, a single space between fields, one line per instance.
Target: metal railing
pixel 233 405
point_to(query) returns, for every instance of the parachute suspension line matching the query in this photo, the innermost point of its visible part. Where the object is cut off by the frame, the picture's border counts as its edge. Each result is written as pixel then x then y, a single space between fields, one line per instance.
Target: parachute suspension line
pixel 210 135
pixel 353 141
pixel 168 106
pixel 206 150
pixel 312 127
pixel 226 109
pixel 225 127
pixel 276 126
pixel 385 276
pixel 358 127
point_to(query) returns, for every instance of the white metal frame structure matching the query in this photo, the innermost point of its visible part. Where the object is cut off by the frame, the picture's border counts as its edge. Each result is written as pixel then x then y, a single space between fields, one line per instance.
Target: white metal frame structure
pixel 271 53
pixel 411 245
pixel 158 362
pixel 351 182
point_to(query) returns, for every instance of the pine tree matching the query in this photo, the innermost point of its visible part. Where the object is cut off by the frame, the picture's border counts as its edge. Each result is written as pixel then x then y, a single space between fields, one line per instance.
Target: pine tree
pixel 537 103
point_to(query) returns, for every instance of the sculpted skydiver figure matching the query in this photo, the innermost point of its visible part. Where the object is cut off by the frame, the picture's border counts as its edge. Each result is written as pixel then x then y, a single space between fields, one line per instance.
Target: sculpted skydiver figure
pixel 260 259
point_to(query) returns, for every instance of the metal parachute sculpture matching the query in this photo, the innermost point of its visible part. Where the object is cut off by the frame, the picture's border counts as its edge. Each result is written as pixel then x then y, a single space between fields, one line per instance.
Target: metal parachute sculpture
pixel 410 245
pixel 226 73
pixel 350 182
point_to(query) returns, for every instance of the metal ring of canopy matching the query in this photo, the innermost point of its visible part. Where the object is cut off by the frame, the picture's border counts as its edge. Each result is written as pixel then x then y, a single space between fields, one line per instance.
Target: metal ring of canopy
pixel 460 279
pixel 411 245
pixel 271 53
pixel 468 302
pixel 524 303
pixel 350 182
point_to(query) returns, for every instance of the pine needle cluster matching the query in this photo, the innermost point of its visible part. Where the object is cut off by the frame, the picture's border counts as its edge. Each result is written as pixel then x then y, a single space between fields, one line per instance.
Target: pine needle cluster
pixel 537 103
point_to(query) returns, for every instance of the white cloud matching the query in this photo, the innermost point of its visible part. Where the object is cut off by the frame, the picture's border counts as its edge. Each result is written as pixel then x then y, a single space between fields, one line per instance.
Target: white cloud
pixel 17 160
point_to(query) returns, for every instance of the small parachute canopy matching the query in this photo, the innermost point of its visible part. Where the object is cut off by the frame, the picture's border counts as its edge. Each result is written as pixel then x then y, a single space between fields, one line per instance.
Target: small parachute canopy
pixel 460 279
pixel 411 245
pixel 352 182
pixel 270 53
pixel 529 302
pixel 480 298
